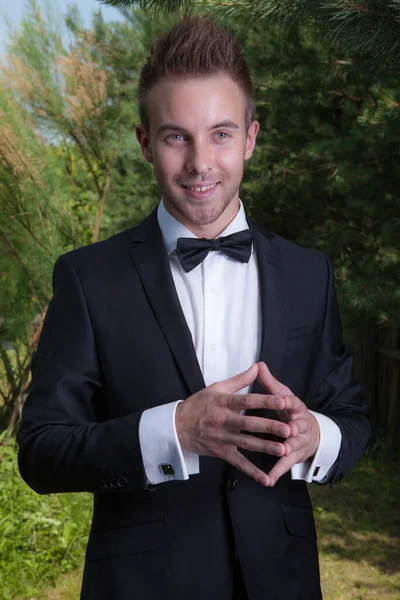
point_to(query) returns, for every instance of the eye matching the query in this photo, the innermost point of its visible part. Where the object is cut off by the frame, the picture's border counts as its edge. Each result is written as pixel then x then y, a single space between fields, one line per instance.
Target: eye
pixel 222 135
pixel 175 137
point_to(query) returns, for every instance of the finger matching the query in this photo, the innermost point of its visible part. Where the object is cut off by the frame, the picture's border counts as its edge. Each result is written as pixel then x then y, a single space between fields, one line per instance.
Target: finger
pixel 298 426
pixel 293 406
pixel 237 382
pixel 294 444
pixel 258 425
pixel 255 444
pixel 241 463
pixel 239 402
pixel 269 382
pixel 282 466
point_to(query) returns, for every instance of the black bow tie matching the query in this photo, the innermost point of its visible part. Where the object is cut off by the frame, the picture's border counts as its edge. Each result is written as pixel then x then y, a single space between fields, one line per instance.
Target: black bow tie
pixel 192 251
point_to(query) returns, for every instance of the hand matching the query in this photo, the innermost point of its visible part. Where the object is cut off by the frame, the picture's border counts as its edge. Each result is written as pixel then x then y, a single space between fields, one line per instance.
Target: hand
pixel 209 423
pixel 304 436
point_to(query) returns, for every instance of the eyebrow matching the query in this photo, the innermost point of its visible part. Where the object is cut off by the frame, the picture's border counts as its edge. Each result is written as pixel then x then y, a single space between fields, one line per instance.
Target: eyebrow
pixel 227 124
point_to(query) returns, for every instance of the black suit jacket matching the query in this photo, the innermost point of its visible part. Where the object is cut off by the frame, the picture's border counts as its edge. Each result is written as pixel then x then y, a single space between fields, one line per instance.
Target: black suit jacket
pixel 114 343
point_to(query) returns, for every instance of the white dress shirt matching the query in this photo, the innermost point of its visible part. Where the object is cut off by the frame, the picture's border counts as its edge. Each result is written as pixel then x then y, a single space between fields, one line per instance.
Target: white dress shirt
pixel 221 302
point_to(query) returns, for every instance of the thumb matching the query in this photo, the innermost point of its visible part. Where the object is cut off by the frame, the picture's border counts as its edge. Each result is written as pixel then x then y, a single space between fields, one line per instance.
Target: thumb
pixel 269 383
pixel 237 382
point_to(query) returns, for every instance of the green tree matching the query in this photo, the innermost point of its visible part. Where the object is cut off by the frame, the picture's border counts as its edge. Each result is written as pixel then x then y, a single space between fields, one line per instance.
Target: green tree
pixel 35 226
pixel 326 170
pixel 57 154
pixel 370 26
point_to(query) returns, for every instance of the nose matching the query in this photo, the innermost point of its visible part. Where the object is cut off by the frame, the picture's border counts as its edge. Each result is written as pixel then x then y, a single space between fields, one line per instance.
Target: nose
pixel 199 158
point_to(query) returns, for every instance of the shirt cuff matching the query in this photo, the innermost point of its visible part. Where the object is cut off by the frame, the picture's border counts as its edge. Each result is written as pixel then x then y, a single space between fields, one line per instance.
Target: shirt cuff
pixel 163 458
pixel 317 468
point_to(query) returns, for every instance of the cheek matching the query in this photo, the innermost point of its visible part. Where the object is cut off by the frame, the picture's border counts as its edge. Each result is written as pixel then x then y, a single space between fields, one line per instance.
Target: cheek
pixel 167 163
pixel 231 160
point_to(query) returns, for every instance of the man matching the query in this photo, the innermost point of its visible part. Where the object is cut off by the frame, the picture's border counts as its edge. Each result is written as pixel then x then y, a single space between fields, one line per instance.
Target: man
pixel 145 387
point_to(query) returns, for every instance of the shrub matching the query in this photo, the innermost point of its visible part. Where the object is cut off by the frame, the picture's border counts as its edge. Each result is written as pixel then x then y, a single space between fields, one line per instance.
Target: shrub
pixel 40 536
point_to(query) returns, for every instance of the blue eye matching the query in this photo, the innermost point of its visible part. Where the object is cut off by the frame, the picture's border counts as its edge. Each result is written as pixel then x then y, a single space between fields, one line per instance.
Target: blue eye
pixel 222 133
pixel 174 137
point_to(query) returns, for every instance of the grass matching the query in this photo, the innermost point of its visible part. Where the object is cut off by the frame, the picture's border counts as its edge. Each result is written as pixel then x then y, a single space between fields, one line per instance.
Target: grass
pixel 358 524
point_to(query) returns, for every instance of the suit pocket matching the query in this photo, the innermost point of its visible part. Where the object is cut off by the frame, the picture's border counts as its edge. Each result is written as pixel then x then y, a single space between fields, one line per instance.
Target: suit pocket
pixel 299 520
pixel 300 340
pixel 125 540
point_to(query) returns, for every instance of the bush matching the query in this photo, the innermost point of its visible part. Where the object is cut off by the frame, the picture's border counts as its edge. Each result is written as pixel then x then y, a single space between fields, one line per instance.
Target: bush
pixel 40 536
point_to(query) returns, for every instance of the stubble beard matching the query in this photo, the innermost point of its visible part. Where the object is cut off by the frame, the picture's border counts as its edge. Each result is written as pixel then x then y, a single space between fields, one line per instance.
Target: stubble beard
pixel 197 212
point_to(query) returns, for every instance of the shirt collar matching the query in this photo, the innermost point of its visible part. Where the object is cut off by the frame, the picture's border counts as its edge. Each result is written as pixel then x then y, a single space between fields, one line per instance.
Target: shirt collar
pixel 172 229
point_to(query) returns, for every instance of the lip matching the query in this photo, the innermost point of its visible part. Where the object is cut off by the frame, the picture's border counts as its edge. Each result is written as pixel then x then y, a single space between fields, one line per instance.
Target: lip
pixel 201 195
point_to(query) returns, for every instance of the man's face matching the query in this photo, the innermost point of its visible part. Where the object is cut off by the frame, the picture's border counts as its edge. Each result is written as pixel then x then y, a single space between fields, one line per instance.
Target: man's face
pixel 198 140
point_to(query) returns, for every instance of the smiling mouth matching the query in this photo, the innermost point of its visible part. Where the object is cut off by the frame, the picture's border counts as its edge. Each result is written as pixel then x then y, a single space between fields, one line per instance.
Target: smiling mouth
pixel 202 188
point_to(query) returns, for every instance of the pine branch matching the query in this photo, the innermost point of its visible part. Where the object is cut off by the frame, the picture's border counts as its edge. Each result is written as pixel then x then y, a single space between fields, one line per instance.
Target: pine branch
pixel 362 26
pixel 153 6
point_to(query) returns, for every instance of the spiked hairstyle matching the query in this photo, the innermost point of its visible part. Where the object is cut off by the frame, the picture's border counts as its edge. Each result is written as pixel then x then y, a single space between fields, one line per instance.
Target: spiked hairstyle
pixel 196 47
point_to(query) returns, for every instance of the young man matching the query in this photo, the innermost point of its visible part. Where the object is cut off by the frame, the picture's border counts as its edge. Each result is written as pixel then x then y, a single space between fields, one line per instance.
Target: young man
pixel 146 388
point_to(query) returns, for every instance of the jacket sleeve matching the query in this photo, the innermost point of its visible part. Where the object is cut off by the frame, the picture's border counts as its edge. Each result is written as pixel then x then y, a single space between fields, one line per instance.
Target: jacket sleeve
pixel 334 391
pixel 66 442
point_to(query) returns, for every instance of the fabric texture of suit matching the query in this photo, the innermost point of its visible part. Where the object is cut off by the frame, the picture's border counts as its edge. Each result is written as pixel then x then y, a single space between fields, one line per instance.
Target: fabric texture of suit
pixel 114 343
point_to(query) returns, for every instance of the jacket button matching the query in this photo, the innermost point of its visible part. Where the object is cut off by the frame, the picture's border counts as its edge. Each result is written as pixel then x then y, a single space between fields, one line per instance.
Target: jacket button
pixel 231 483
pixel 107 484
pixel 114 483
pixel 122 481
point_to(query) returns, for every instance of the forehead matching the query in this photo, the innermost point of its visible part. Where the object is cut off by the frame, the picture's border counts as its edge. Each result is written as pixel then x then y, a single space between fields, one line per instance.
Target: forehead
pixel 194 102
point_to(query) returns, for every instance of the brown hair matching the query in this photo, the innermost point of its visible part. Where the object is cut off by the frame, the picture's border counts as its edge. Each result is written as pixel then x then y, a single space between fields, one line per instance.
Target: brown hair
pixel 195 46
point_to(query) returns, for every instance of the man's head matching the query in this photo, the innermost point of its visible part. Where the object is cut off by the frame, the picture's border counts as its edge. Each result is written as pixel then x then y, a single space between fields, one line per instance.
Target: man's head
pixel 196 104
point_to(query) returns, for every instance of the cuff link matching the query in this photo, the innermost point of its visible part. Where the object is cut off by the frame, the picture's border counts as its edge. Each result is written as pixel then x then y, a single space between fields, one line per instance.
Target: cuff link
pixel 167 469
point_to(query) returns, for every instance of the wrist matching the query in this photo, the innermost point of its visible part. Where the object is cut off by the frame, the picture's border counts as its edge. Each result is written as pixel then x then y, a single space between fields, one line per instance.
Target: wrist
pixel 178 424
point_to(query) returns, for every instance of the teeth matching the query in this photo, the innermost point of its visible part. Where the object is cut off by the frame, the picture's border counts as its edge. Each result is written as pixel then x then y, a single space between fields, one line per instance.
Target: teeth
pixel 202 189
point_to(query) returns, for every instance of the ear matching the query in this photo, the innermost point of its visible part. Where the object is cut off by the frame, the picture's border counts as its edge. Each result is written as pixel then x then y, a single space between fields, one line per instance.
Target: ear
pixel 251 139
pixel 144 140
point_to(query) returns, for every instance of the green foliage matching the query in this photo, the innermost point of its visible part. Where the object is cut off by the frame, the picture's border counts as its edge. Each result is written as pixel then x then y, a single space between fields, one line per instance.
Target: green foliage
pixel 362 27
pixel 40 536
pixel 325 172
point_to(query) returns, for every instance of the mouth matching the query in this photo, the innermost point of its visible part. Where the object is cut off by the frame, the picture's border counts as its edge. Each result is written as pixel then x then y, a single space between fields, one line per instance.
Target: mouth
pixel 198 188
pixel 200 192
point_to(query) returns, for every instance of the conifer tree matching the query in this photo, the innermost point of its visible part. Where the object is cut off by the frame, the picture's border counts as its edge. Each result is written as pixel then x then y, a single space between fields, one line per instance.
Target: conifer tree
pixel 361 26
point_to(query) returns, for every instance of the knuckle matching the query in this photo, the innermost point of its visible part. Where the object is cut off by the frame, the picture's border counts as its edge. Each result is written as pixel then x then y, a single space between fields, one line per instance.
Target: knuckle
pixel 215 419
pixel 244 443
pixel 245 401
pixel 219 399
pixel 247 423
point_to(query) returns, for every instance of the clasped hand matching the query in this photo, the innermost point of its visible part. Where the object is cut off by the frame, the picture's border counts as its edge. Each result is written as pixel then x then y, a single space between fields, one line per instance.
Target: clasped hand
pixel 209 423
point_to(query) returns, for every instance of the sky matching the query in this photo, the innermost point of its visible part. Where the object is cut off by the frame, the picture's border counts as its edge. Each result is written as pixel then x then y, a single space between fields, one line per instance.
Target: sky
pixel 14 9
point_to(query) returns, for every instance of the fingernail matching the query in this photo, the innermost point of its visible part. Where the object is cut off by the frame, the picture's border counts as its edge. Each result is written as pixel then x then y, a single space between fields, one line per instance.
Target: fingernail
pixel 283 431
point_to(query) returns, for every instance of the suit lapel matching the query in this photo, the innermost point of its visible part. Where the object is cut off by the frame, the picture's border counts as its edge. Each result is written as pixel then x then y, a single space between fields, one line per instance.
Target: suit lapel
pixel 273 300
pixel 151 261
